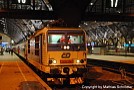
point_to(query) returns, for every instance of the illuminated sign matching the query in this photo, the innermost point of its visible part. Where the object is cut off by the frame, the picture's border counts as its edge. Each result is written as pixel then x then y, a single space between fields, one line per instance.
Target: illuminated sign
pixel 132 45
pixel 27 2
pixel 113 3
pixel 3 44
pixel 128 45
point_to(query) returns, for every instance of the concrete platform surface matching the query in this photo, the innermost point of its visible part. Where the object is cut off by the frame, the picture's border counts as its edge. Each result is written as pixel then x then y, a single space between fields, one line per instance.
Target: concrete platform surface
pixel 16 75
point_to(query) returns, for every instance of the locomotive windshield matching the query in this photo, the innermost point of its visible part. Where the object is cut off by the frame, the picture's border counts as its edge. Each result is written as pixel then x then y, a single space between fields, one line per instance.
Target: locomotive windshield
pixel 62 39
pixel 72 39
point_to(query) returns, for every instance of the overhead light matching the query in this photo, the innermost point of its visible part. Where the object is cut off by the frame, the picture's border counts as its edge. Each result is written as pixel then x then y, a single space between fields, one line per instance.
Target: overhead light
pixel 12 41
pixel 91 3
pixel 85 23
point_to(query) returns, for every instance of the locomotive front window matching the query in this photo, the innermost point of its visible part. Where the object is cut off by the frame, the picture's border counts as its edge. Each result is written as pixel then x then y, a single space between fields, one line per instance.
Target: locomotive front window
pixel 62 39
pixel 55 38
pixel 75 39
pixel 70 39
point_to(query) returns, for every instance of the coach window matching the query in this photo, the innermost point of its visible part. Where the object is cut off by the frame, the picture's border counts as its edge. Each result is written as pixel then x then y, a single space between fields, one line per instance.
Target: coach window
pixel 28 46
pixel 37 45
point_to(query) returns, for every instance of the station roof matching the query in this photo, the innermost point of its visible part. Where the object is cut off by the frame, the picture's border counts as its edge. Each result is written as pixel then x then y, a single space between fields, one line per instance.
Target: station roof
pixel 97 17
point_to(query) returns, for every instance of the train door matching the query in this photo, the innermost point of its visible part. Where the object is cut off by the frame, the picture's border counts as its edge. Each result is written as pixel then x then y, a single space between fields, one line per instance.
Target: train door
pixel 38 48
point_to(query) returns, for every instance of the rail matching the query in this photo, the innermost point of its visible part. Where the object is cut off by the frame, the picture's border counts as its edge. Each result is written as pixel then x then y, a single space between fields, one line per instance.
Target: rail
pixel 117 67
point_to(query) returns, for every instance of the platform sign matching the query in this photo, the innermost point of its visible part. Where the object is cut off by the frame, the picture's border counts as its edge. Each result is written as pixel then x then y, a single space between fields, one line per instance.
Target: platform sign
pixel 26 2
pixel 113 3
pixel 132 45
pixel 128 45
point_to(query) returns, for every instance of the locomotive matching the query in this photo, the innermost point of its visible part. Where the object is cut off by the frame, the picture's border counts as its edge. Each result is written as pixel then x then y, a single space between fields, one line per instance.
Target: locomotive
pixel 56 52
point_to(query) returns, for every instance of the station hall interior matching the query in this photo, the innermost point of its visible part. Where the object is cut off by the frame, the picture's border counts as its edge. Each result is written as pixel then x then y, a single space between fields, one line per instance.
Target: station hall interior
pixel 102 37
pixel 108 24
pixel 111 25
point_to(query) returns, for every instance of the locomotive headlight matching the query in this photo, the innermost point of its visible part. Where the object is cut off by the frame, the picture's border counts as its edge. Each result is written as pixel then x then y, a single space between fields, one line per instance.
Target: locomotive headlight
pixel 78 61
pixel 65 47
pixel 68 47
pixel 54 61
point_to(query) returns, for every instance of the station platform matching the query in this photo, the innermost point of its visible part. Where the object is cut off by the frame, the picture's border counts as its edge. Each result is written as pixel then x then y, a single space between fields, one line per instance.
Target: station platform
pixel 113 58
pixel 16 75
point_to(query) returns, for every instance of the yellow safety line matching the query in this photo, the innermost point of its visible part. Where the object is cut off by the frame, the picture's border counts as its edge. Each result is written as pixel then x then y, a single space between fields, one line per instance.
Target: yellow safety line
pixel 21 72
pixel 1 67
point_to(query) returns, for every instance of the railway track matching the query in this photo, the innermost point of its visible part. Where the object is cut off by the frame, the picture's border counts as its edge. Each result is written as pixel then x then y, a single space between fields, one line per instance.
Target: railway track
pixel 94 83
pixel 116 67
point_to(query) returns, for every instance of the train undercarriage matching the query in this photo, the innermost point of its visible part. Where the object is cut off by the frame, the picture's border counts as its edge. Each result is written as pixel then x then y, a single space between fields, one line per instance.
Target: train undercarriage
pixel 56 78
